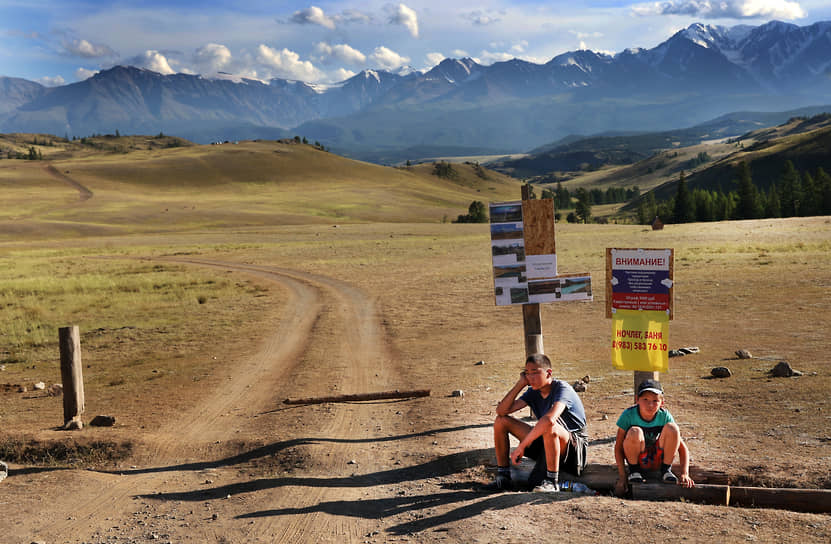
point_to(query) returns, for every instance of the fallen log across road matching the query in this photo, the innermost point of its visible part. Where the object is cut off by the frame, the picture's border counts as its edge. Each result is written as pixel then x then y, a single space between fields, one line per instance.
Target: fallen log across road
pixel 816 501
pixel 362 396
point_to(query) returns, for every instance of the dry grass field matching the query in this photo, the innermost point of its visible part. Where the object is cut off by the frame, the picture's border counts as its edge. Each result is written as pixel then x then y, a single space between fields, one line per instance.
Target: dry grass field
pixel 323 276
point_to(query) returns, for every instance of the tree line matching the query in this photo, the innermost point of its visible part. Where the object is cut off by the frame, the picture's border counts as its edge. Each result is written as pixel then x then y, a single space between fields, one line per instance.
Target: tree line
pixel 793 194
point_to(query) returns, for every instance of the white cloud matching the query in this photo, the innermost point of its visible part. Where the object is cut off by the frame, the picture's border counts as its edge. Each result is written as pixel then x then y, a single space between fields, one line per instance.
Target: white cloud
pixel 482 18
pixel 434 59
pixel 489 57
pixel 342 74
pixel 82 73
pixel 152 60
pixel 733 9
pixel 403 15
pixel 341 52
pixel 519 47
pixel 50 81
pixel 313 15
pixel 459 53
pixel 387 58
pixel 353 16
pixel 212 58
pixel 86 49
pixel 287 64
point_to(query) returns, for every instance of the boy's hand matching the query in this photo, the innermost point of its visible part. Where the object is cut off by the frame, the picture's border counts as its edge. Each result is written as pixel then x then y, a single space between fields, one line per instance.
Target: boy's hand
pixel 685 481
pixel 516 455
pixel 523 379
pixel 620 487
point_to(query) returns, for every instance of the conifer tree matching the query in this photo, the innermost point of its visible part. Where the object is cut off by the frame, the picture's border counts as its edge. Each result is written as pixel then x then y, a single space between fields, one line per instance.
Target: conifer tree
pixel 682 211
pixel 748 194
pixel 791 190
pixel 824 187
pixel 583 210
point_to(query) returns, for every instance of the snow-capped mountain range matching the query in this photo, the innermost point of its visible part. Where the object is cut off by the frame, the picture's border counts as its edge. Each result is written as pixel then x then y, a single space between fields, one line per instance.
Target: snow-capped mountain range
pixel 699 73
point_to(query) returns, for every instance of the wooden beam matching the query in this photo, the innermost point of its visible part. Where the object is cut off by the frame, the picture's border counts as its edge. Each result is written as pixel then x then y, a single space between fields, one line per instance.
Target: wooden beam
pixel 817 501
pixel 362 396
pixel 603 477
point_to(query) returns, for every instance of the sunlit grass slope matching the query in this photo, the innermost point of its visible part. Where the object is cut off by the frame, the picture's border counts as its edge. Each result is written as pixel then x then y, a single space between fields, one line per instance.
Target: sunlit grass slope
pixel 245 184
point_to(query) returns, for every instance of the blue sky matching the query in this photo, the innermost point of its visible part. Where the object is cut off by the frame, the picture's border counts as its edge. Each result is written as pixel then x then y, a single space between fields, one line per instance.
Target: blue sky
pixel 56 42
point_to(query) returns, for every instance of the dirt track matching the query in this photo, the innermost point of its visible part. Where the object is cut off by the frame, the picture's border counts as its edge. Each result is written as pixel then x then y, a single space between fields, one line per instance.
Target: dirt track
pixel 325 317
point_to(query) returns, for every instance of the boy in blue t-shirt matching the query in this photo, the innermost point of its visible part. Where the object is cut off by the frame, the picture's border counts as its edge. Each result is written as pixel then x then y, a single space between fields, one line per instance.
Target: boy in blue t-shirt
pixel 648 439
pixel 558 439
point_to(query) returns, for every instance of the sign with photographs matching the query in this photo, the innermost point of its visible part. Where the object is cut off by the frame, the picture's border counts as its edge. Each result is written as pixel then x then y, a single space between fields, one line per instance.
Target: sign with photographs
pixel 525 258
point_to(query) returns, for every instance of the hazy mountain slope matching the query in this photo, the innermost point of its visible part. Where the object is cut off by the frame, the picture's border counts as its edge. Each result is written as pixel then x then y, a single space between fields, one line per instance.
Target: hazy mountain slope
pixel 699 73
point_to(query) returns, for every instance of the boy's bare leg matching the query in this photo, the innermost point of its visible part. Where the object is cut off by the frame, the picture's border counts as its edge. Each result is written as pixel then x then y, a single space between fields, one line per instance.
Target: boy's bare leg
pixel 669 441
pixel 503 427
pixel 555 444
pixel 633 444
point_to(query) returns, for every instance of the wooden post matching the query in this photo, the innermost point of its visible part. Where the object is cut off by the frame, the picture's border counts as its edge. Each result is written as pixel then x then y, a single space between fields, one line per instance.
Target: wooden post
pixel 69 339
pixel 531 318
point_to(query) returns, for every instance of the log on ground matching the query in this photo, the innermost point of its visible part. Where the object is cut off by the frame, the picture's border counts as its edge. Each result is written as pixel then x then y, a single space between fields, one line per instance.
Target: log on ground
pixel 383 395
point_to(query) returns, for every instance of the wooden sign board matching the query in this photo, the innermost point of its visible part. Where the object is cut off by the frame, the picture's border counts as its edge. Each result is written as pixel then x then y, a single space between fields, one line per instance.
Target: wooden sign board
pixel 525 258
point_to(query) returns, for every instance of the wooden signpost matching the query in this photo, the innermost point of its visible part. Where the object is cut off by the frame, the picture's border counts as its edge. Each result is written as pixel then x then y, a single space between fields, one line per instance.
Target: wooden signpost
pixel 525 263
pixel 640 280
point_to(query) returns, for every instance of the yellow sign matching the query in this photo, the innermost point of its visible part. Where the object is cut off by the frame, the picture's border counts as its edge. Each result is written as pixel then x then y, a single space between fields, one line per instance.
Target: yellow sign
pixel 639 340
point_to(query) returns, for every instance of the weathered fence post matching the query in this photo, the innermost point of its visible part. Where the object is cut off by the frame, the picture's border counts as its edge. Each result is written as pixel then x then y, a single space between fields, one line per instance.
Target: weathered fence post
pixel 69 339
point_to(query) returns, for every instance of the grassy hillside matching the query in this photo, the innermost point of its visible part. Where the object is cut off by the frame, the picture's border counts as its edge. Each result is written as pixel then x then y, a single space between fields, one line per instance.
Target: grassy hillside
pixel 88 190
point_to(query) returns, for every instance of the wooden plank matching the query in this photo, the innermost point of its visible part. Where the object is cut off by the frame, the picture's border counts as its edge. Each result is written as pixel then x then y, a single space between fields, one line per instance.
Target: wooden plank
pixel 702 493
pixel 362 396
pixel 538 225
pixel 603 477
pixel 816 501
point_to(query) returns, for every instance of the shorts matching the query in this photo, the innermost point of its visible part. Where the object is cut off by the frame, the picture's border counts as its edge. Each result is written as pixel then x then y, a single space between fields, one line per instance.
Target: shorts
pixel 651 458
pixel 573 460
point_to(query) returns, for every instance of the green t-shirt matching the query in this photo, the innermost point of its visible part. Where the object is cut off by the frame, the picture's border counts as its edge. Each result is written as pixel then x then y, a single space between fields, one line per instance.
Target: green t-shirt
pixel 651 429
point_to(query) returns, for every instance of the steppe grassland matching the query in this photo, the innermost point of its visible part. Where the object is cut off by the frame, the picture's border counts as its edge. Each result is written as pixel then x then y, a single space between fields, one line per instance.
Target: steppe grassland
pixel 264 183
pixel 758 285
pixel 739 285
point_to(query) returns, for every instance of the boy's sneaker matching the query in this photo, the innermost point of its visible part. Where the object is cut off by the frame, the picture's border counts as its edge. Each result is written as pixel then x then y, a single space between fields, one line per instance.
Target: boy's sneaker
pixel 500 483
pixel 635 477
pixel 669 477
pixel 547 486
pixel 537 473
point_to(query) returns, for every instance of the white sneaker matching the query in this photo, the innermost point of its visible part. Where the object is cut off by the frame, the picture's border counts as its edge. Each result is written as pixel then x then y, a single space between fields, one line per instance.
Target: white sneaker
pixel 547 486
pixel 635 477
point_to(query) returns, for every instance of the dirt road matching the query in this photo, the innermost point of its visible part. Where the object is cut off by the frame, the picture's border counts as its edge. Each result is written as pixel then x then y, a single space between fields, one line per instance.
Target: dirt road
pixel 329 341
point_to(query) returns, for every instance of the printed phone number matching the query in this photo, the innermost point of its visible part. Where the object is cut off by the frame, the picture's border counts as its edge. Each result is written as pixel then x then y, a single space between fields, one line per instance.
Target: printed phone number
pixel 638 346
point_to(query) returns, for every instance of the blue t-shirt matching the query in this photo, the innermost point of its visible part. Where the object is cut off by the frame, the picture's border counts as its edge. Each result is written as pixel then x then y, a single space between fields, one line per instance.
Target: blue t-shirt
pixel 631 417
pixel 573 417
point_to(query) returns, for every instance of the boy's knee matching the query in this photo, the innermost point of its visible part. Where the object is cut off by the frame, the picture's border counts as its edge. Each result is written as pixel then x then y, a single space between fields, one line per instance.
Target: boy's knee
pixel 634 434
pixel 501 422
pixel 671 428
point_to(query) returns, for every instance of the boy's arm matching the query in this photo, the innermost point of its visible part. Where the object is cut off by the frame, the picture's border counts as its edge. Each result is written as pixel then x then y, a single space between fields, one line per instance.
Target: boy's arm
pixel 509 403
pixel 620 460
pixel 684 460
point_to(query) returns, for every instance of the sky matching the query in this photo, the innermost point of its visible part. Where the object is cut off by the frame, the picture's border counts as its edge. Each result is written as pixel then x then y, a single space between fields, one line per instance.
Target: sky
pixel 58 42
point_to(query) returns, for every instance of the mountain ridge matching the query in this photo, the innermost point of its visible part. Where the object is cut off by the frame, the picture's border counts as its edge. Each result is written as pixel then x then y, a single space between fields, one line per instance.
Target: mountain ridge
pixel 698 73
